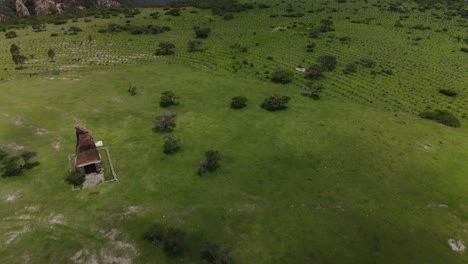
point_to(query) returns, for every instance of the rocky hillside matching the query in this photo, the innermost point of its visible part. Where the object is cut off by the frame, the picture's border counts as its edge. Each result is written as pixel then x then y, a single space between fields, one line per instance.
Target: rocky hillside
pixel 9 8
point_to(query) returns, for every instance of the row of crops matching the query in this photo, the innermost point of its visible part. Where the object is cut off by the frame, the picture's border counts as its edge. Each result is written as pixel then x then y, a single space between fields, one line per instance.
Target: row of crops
pixel 257 42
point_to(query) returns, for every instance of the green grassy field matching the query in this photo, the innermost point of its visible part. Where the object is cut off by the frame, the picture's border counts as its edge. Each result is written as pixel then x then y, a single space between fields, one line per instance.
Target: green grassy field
pixel 355 177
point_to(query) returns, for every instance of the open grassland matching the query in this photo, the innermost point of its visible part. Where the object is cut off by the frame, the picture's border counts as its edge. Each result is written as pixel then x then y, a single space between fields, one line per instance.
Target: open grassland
pixel 354 177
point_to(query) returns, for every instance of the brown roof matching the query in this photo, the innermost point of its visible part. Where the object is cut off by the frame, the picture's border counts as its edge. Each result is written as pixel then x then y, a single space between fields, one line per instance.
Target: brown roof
pixel 86 151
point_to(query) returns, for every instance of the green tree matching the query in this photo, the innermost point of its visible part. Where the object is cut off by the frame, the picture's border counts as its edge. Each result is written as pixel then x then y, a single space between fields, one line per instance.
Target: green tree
pixel 202 32
pixel 275 102
pixel 16 56
pixel 165 122
pixel 168 98
pixel 281 76
pixel 11 34
pixel 171 145
pixel 51 54
pixel 165 48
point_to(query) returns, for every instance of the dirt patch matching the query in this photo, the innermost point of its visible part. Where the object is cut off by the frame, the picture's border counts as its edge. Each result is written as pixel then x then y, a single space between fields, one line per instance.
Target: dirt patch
pixel 116 99
pixel 55 219
pixel 24 217
pixel 84 257
pixel 14 234
pixel 20 120
pixel 15 146
pixel 133 210
pixel 10 198
pixel 41 131
pixel 56 144
pixel 108 259
pixel 456 246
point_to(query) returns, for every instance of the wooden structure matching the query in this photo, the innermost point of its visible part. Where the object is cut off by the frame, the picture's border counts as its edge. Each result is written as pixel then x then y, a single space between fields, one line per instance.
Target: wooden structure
pixel 87 159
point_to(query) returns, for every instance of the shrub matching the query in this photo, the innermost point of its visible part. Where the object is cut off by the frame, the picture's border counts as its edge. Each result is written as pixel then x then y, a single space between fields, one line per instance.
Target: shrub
pixel 313 91
pixel 350 68
pixel 132 89
pixel 328 62
pixel 281 76
pixel 367 63
pixel 174 242
pixel 211 162
pixel 155 233
pixel 54 35
pixel 441 116
pixel 165 48
pixel 171 145
pixel 194 45
pixel 228 16
pixel 314 33
pixel 11 166
pixel 448 92
pixel 202 32
pixel 11 34
pixel 75 178
pixel 173 12
pixel 211 252
pixel 165 122
pixel 314 72
pixel 464 50
pixel 167 99
pixel 216 253
pixel 326 25
pixel 38 27
pixel 238 102
pixel 275 102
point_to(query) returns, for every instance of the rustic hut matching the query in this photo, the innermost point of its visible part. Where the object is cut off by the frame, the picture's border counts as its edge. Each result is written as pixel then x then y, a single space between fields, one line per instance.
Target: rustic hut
pixel 88 159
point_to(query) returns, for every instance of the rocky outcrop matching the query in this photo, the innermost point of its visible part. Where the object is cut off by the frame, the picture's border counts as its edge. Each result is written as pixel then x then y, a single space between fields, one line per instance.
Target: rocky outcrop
pixel 21 8
pixel 44 7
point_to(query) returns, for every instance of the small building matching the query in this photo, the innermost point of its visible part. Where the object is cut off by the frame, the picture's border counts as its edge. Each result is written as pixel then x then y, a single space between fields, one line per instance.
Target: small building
pixel 87 160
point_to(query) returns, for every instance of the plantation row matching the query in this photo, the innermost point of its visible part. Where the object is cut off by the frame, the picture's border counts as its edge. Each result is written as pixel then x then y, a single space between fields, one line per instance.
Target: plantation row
pixel 278 43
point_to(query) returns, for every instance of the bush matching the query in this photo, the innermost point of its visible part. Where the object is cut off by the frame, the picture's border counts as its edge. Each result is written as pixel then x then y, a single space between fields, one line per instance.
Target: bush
pixel 350 68
pixel 165 122
pixel 11 34
pixel 367 63
pixel 211 252
pixel 314 72
pixel 275 102
pixel 132 90
pixel 54 35
pixel 174 243
pixel 441 116
pixel 75 178
pixel 167 99
pixel 211 162
pixel 165 48
pixel 313 91
pixel 448 92
pixel 155 234
pixel 238 102
pixel 202 32
pixel 281 76
pixel 11 166
pixel 328 62
pixel 173 12
pixel 171 145
pixel 194 45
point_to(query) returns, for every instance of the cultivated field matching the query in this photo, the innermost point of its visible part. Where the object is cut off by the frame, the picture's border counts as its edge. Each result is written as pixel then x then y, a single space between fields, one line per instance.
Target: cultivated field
pixel 354 177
